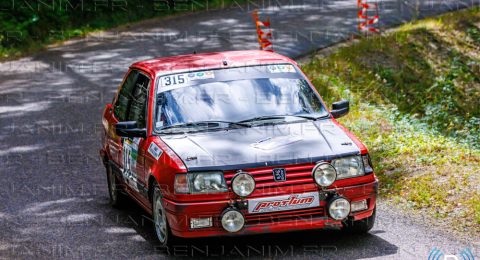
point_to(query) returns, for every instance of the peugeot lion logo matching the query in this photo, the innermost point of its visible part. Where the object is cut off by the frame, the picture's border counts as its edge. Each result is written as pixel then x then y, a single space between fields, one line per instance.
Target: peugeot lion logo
pixel 279 174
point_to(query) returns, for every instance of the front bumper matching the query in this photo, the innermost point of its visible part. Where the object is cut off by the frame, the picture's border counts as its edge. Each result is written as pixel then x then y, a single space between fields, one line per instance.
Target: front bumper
pixel 179 215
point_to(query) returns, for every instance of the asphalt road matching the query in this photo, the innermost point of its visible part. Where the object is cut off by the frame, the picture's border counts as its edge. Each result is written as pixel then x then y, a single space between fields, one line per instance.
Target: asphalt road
pixel 53 192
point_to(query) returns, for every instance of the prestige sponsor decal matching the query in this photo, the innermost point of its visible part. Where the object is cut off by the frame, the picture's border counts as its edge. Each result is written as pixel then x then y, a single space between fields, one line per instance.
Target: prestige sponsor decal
pixel 281 203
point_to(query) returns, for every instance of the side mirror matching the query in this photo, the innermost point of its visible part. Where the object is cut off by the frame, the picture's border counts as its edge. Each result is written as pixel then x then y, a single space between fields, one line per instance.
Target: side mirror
pixel 130 129
pixel 340 108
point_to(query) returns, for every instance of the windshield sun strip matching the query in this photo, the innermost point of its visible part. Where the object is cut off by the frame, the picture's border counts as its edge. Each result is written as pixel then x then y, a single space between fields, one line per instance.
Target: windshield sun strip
pixel 301 75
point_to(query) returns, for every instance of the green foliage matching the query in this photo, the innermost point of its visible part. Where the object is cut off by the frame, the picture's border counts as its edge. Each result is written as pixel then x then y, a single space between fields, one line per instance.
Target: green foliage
pixel 474 34
pixel 475 204
pixel 419 70
pixel 447 112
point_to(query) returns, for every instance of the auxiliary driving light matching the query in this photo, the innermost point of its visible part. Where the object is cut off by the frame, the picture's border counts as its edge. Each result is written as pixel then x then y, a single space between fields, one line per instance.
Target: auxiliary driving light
pixel 339 208
pixel 324 174
pixel 243 184
pixel 359 205
pixel 232 220
pixel 200 222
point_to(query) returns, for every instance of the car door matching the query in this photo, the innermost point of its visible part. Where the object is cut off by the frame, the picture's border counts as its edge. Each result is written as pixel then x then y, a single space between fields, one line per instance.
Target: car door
pixel 133 149
pixel 118 113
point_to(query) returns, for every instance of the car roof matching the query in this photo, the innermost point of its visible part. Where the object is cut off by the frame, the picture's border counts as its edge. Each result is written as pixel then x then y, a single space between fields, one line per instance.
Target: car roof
pixel 212 60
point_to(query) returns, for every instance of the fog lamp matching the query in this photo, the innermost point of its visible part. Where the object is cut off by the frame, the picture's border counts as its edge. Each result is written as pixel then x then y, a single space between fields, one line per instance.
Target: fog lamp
pixel 339 208
pixel 233 220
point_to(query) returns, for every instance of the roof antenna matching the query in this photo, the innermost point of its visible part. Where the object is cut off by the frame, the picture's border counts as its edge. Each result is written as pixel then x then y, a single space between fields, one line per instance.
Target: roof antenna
pixel 225 63
pixel 195 52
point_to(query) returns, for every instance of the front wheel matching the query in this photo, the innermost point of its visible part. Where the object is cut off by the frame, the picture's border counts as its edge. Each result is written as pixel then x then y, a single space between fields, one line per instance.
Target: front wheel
pixel 162 229
pixel 361 226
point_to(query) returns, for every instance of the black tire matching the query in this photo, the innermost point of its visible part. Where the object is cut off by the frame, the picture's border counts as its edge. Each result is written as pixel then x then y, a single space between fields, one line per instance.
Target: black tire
pixel 114 189
pixel 361 226
pixel 160 222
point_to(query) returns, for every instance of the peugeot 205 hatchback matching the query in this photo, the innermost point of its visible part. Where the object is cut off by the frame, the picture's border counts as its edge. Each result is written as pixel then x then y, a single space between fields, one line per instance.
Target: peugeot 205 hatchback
pixel 234 143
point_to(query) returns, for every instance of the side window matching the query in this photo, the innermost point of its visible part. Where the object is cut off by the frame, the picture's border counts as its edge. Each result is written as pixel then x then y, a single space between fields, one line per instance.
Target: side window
pixel 139 101
pixel 122 105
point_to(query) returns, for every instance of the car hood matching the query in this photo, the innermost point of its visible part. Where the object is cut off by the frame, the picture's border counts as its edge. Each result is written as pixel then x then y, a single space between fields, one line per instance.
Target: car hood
pixel 281 144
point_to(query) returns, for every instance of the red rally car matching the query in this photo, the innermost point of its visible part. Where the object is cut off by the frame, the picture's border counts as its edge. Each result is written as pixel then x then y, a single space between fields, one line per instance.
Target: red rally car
pixel 234 143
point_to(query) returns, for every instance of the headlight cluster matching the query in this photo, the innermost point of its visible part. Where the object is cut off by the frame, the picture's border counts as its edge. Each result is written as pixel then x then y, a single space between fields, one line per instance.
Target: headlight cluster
pixel 200 182
pixel 325 173
pixel 243 184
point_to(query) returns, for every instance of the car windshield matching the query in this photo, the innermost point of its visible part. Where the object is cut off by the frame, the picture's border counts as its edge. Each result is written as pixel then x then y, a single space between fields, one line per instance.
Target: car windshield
pixel 234 97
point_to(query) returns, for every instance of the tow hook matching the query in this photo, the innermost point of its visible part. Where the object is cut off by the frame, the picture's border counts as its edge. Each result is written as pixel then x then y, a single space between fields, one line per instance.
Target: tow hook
pixel 238 204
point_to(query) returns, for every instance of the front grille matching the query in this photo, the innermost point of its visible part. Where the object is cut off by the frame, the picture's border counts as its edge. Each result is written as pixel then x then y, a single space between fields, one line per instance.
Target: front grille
pixel 296 175
pixel 300 215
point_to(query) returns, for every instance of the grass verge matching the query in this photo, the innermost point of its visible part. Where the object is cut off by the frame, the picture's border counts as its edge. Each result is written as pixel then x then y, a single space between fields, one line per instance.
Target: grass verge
pixel 416 104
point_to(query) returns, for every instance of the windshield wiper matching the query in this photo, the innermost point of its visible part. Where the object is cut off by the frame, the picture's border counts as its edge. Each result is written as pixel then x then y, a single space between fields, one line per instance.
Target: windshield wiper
pixel 264 118
pixel 203 124
pixel 312 117
pixel 226 122
pixel 261 118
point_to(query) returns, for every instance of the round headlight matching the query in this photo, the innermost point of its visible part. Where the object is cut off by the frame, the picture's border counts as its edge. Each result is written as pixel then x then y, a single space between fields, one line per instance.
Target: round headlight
pixel 243 184
pixel 232 221
pixel 339 208
pixel 324 174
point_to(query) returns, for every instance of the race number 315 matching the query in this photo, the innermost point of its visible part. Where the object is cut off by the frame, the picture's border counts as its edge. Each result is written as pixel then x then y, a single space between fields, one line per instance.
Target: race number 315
pixel 173 80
